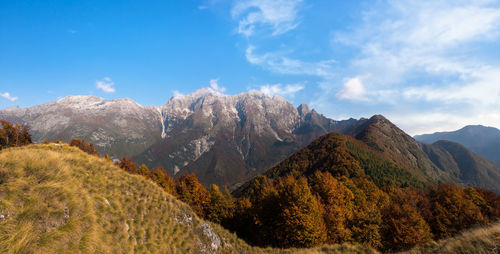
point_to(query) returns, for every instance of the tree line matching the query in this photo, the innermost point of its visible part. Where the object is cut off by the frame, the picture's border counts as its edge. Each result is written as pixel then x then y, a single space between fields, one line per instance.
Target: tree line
pixel 322 209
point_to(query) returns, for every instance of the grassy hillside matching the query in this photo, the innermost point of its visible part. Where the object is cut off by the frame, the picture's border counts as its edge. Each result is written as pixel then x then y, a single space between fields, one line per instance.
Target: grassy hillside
pixel 481 240
pixel 58 199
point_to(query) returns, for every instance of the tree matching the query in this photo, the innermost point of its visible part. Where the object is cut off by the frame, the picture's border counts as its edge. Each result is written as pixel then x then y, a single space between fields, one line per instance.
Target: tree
pixel 492 210
pixel 366 222
pixel 453 211
pixel 404 227
pixel 300 221
pixel 84 146
pixel 220 207
pixel 128 165
pixel 190 191
pixel 163 179
pixel 13 135
pixel 144 171
pixel 337 201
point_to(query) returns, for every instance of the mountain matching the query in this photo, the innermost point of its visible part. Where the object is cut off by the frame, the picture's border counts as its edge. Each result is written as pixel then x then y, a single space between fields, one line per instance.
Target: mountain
pixel 227 139
pixel 482 140
pixel 381 150
pixel 465 165
pixel 398 147
pixel 57 199
pixel 119 127
pixel 224 139
pixel 342 155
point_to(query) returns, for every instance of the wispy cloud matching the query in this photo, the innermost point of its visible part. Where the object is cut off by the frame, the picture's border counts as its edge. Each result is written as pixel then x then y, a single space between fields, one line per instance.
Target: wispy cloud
pixel 9 97
pixel 106 85
pixel 280 63
pixel 283 90
pixel 279 15
pixel 214 84
pixel 427 53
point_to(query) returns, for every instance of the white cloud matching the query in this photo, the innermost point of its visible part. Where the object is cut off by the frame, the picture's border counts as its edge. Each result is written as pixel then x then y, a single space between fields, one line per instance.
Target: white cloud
pixel 353 90
pixel 279 63
pixel 278 89
pixel 280 15
pixel 177 94
pixel 429 54
pixel 214 84
pixel 106 85
pixel 430 37
pixel 9 97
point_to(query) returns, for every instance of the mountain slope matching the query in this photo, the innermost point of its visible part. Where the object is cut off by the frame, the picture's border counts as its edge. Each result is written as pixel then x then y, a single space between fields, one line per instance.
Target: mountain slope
pixel 119 127
pixel 482 140
pixel 470 168
pixel 398 147
pixel 341 155
pixel 58 199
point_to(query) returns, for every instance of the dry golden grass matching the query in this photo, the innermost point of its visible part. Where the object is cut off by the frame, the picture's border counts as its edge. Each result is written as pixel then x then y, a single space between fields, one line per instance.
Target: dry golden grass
pixel 57 199
pixel 480 240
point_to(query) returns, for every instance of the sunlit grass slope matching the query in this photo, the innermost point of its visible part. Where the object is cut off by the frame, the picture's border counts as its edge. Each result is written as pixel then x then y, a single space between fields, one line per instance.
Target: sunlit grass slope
pixel 480 240
pixel 58 199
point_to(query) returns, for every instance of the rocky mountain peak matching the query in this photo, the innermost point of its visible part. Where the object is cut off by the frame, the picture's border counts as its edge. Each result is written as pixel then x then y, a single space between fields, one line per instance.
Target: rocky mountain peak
pixel 303 109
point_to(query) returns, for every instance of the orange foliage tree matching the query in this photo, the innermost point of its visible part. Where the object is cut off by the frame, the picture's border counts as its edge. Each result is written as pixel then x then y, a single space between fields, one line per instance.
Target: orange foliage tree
pixel 220 207
pixel 190 191
pixel 337 202
pixel 404 227
pixel 453 211
pixel 13 135
pixel 299 222
pixel 84 146
pixel 164 180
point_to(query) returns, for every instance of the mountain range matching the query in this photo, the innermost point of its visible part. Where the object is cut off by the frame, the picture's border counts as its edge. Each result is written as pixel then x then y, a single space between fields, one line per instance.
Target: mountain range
pixel 223 139
pixel 229 139
pixel 482 140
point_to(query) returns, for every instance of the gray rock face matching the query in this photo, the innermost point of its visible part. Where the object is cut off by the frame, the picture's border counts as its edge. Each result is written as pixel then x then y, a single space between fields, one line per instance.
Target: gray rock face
pixel 224 139
pixel 118 127
pixel 227 139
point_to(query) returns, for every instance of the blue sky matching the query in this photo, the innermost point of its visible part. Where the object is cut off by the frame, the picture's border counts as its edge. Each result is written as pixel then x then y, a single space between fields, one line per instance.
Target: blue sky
pixel 426 65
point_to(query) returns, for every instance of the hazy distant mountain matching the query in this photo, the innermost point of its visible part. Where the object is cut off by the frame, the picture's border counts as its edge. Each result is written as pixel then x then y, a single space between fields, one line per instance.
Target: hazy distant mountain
pixel 482 140
pixel 468 167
